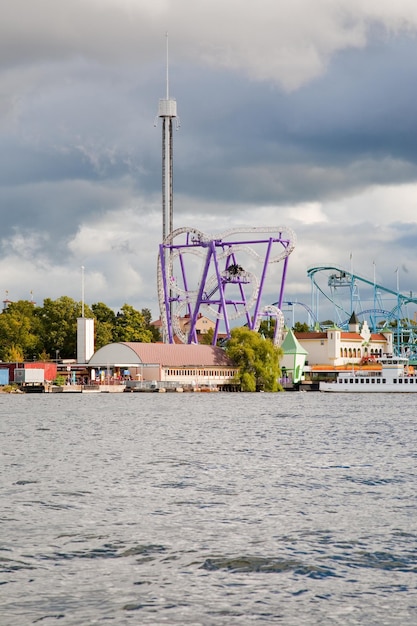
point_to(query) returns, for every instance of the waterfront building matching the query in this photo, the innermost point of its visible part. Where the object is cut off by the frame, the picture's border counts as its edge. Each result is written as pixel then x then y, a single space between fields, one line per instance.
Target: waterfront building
pixel 335 347
pixel 191 365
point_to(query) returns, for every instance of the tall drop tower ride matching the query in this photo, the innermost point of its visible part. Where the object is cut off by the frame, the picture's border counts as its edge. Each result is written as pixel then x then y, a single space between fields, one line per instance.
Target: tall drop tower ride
pixel 196 270
pixel 168 112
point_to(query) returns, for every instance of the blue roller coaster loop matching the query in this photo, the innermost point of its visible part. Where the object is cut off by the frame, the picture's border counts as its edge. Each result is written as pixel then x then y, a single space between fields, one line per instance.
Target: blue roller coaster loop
pixel 387 315
pixel 401 298
pixel 394 317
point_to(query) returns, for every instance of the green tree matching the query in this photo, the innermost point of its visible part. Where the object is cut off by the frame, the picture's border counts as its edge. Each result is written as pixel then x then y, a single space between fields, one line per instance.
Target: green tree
pixel 58 319
pixel 206 339
pixel 13 354
pixel 257 358
pixel 131 325
pixel 19 331
pixel 327 323
pixel 105 321
pixel 267 328
pixel 301 327
pixel 147 315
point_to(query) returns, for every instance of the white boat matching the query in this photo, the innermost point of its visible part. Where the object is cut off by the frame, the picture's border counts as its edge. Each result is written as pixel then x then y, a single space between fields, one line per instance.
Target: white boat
pixel 393 375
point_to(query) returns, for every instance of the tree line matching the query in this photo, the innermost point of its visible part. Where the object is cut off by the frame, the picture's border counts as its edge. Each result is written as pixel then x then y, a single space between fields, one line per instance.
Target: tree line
pixel 29 332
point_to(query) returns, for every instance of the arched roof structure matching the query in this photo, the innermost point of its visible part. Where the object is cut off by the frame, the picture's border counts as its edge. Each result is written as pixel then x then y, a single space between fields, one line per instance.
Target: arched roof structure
pixel 130 354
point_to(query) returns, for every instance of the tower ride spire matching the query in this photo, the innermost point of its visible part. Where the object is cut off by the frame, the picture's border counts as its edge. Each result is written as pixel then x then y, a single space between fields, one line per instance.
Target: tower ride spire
pixel 167 112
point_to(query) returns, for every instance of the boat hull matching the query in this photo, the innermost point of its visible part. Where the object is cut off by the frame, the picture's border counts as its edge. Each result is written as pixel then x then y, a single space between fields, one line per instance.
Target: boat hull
pixel 387 388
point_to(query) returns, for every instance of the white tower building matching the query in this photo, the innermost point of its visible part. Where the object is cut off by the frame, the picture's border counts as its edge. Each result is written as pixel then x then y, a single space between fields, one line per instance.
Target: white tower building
pixel 85 331
pixel 168 112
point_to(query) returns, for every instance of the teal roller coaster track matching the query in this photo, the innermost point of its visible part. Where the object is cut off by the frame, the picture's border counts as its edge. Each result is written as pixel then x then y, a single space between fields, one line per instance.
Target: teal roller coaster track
pixel 340 288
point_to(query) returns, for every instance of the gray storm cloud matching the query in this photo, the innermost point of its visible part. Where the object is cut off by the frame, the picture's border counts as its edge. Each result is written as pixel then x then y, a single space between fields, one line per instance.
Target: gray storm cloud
pixel 298 112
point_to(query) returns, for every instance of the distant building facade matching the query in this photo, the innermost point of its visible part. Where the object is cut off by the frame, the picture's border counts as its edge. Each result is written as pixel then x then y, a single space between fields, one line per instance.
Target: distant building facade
pixel 335 347
pixel 202 327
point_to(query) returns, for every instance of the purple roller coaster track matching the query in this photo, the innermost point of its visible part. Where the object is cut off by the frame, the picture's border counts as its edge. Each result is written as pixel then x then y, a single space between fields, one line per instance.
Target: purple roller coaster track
pixel 214 275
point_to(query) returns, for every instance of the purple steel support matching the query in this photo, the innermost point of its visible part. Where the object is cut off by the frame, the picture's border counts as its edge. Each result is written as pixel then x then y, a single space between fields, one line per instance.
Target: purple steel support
pixel 283 279
pixel 178 294
pixel 209 254
pixel 193 334
pixel 222 298
pixel 261 285
pixel 216 331
pixel 244 301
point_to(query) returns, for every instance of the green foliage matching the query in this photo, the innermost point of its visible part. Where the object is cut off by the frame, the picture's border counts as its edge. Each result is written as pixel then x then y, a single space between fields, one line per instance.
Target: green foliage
pixel 130 325
pixel 59 380
pixel 327 323
pixel 156 335
pixel 28 332
pixel 301 327
pixel 19 331
pixel 12 388
pixel 58 320
pixel 13 354
pixel 206 339
pixel 267 328
pixel 105 319
pixel 257 358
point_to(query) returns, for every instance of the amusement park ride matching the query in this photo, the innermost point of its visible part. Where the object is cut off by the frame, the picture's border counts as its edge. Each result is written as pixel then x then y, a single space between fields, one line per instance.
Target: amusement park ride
pixel 217 275
pixel 344 291
pixel 198 273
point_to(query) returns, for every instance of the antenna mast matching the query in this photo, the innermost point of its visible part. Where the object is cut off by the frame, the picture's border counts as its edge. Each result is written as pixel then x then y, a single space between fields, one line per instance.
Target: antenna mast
pixel 168 112
pixel 82 291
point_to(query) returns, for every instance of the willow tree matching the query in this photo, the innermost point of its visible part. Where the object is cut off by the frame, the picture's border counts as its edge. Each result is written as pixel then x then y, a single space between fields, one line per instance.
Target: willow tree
pixel 257 358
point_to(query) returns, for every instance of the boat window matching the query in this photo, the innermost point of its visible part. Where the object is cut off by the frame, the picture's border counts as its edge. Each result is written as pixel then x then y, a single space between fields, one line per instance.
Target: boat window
pixel 394 381
pixel 406 380
pixel 372 380
pixel 362 381
pixel 411 380
pixel 367 380
pixel 384 380
pixel 400 380
pixel 356 381
pixel 377 380
pixel 351 380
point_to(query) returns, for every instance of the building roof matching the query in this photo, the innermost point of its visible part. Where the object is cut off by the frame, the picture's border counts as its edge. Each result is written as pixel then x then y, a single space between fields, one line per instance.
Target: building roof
pixel 343 334
pixel 311 335
pixel 353 319
pixel 170 355
pixel 291 345
pixel 351 336
pixel 378 337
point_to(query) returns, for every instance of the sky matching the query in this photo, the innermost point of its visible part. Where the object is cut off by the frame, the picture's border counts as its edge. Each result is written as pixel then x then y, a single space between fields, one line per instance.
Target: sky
pixel 298 114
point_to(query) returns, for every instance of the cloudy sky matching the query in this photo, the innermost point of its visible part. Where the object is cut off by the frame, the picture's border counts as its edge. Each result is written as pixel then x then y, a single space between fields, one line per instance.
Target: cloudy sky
pixel 300 114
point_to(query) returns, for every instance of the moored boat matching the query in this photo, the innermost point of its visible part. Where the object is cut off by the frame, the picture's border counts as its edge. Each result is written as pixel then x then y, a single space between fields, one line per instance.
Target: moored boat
pixel 391 374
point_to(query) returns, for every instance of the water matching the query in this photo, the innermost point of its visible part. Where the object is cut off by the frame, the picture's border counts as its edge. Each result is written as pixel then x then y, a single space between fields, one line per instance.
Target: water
pixel 201 509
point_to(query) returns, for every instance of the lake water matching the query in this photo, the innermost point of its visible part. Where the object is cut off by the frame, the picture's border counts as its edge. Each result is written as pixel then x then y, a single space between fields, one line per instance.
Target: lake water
pixel 201 509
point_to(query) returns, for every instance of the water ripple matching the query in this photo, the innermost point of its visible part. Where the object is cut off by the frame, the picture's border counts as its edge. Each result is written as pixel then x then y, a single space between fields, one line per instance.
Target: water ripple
pixel 213 511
